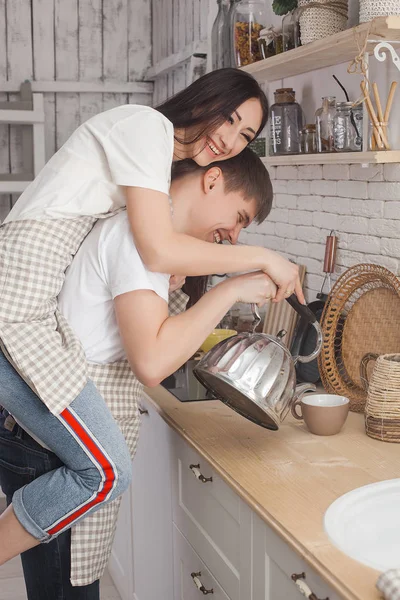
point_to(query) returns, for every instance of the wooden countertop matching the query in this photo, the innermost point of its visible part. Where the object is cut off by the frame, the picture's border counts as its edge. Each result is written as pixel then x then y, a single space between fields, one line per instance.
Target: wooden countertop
pixel 289 477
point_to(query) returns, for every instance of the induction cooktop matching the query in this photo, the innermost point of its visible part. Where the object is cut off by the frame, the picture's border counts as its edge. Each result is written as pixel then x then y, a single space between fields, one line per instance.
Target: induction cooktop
pixel 184 385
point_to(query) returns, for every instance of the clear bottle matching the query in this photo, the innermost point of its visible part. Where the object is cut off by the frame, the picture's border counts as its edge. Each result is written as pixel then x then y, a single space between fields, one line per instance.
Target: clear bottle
pixel 219 42
pixel 228 33
pixel 324 124
pixel 286 123
pixel 250 17
pixel 291 30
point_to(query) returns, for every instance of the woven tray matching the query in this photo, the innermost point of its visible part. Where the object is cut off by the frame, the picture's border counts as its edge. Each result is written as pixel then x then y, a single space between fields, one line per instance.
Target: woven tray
pixel 361 316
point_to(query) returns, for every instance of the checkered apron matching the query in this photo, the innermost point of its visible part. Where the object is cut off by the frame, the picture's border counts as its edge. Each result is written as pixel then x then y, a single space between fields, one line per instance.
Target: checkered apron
pixel 34 335
pixel 92 537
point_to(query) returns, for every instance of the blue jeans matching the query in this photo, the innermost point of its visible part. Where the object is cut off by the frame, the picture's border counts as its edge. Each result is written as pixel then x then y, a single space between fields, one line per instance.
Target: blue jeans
pixel 96 464
pixel 47 566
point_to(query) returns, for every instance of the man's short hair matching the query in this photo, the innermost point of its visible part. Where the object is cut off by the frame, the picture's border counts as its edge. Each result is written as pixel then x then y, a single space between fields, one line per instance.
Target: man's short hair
pixel 244 173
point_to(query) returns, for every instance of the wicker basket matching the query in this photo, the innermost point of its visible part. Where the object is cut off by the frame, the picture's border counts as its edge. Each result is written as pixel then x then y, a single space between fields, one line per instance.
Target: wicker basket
pixel 382 409
pixel 369 9
pixel 318 22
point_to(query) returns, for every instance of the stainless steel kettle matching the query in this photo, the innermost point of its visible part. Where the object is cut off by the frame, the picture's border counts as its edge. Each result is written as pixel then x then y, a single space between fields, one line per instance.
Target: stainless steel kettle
pixel 254 373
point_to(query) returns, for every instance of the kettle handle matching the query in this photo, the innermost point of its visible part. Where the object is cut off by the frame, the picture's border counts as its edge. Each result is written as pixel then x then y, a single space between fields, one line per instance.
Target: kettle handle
pixel 301 309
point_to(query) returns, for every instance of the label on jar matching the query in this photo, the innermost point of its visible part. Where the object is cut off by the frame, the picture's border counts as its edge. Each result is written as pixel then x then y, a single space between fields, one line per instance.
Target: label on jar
pixel 276 132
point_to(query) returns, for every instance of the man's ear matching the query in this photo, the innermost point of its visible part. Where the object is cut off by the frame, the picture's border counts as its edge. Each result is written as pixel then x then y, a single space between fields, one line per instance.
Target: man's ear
pixel 211 177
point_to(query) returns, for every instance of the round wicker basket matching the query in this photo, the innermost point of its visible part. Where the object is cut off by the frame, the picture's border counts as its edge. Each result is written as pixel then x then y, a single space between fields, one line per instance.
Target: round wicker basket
pixel 369 9
pixel 361 316
pixel 382 409
pixel 318 22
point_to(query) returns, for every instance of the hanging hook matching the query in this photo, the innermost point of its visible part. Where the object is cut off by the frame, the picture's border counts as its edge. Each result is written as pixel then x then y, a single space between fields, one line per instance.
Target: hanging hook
pixel 381 56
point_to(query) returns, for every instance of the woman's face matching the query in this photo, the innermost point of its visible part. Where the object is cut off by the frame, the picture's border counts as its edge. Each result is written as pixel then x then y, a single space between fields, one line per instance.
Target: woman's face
pixel 232 136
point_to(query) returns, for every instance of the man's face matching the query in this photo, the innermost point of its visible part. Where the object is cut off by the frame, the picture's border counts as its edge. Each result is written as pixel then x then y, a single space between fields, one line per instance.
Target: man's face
pixel 220 216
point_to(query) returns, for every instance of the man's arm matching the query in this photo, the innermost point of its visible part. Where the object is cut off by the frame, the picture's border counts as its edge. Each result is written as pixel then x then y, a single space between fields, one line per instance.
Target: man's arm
pixel 156 344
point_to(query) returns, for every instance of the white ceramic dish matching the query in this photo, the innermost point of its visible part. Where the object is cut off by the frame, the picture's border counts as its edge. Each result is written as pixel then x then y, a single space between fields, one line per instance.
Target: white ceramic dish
pixel 365 524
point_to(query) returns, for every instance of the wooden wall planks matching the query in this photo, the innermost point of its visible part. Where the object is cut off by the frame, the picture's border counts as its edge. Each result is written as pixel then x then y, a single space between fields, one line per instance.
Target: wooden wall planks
pixel 177 24
pixel 70 40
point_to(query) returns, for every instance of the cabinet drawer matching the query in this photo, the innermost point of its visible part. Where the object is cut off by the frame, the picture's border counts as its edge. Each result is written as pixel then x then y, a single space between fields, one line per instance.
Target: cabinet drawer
pixel 189 569
pixel 213 518
pixel 274 557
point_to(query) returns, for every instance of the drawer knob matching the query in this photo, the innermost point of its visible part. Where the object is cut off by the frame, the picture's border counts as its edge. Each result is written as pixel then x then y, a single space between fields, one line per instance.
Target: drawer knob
pixel 198 474
pixel 299 578
pixel 199 585
pixel 143 411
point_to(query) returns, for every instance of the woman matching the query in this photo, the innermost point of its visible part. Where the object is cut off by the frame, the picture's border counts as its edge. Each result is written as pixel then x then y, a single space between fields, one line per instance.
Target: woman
pixel 110 298
pixel 118 158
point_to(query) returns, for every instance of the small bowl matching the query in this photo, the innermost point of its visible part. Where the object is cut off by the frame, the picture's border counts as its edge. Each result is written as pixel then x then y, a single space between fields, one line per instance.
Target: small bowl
pixel 215 337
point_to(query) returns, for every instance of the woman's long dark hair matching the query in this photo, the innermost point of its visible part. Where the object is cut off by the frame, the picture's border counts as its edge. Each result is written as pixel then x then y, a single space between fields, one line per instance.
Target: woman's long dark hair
pixel 206 103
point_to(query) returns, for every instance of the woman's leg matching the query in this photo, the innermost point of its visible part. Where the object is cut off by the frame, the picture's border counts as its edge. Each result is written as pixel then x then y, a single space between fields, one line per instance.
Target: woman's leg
pixel 47 566
pixel 97 464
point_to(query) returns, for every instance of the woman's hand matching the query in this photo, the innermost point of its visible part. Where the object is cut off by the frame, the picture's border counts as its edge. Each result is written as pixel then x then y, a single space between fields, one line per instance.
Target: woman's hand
pixel 285 275
pixel 254 287
pixel 176 282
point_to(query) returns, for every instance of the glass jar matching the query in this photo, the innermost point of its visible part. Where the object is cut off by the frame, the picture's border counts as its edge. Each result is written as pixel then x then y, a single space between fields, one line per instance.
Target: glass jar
pixel 347 127
pixel 219 41
pixel 308 139
pixel 291 31
pixel 286 123
pixel 324 124
pixel 249 18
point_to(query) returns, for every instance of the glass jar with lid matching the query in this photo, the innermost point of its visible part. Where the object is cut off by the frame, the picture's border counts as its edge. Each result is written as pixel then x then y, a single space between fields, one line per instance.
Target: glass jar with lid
pixel 286 123
pixel 308 139
pixel 347 127
pixel 250 17
pixel 324 124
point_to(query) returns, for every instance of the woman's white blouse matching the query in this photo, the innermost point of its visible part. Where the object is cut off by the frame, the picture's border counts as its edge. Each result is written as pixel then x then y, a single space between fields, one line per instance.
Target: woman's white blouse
pixel 130 145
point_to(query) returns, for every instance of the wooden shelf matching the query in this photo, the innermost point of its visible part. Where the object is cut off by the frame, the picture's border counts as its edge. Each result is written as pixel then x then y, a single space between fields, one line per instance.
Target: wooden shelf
pixel 333 50
pixel 335 158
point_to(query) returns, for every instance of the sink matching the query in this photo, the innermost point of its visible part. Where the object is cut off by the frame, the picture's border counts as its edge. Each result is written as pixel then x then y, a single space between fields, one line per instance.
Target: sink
pixel 365 524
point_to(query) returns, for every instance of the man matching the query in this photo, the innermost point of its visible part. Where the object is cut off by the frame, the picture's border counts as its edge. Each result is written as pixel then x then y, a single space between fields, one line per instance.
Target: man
pixel 119 310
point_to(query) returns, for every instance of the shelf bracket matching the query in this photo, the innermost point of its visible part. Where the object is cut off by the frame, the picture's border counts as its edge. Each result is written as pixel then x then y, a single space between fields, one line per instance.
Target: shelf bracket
pixel 381 55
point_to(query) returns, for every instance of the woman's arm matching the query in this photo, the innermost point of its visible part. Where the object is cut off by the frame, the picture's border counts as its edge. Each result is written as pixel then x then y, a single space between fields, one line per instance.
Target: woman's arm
pixel 157 345
pixel 165 251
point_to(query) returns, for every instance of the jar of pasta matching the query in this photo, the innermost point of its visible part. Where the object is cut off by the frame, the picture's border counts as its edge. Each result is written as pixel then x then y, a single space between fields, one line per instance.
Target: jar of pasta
pixel 249 19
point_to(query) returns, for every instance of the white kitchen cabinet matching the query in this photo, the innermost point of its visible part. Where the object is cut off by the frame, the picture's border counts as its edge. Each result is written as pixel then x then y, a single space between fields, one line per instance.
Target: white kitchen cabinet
pixel 274 564
pixel 150 516
pixel 181 518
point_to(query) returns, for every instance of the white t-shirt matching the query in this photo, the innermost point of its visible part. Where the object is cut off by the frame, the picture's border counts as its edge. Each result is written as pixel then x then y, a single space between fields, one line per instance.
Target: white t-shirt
pixel 106 265
pixel 130 145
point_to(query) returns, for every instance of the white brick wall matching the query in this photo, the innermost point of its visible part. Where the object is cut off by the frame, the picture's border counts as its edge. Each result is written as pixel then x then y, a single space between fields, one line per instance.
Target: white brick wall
pixel 361 204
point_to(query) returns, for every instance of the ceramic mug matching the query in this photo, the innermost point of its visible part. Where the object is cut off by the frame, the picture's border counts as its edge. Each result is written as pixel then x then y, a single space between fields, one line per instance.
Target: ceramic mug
pixel 324 414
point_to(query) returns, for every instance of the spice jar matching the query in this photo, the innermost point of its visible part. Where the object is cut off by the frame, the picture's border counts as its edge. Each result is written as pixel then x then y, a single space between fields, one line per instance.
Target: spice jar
pixel 249 19
pixel 324 124
pixel 308 139
pixel 286 123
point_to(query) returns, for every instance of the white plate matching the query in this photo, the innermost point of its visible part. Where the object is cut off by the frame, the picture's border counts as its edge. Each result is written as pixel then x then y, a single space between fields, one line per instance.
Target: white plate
pixel 365 524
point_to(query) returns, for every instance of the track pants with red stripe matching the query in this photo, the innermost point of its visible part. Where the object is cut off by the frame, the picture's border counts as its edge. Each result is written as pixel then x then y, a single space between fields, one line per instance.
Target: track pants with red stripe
pixel 97 464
